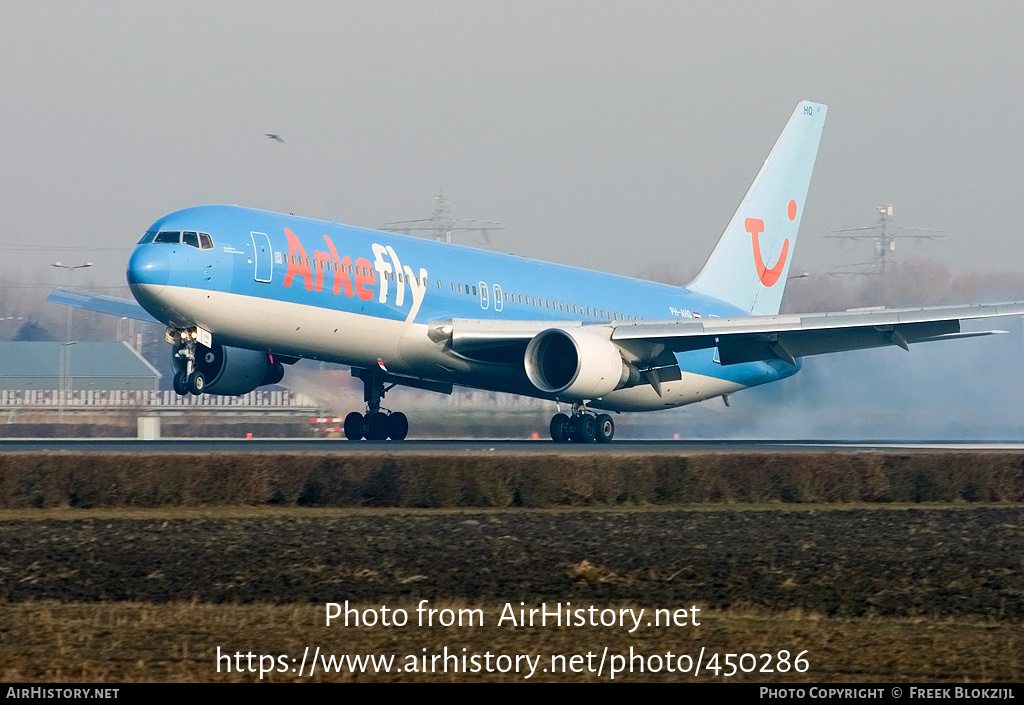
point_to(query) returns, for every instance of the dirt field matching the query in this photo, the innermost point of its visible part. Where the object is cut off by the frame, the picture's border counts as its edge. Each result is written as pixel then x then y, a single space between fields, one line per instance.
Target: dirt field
pixel 870 593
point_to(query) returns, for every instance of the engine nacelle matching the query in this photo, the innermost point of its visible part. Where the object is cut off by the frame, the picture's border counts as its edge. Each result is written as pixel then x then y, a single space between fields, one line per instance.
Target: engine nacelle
pixel 575 364
pixel 233 371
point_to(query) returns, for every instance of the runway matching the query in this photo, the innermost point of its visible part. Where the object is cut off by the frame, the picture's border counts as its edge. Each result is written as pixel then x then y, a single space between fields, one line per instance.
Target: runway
pixel 206 445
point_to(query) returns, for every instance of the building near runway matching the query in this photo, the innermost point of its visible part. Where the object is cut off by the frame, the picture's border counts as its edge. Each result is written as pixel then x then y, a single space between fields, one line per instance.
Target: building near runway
pixel 107 389
pixel 75 367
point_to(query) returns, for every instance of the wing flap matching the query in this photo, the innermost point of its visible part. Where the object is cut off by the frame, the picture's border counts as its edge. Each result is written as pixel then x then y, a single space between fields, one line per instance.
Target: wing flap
pixel 733 349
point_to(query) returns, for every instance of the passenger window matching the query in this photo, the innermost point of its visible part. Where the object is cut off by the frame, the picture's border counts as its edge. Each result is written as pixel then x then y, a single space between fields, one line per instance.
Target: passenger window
pixel 190 238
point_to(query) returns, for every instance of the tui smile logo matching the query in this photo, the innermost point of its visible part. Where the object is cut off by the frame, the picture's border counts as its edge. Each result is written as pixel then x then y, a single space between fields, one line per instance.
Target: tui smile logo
pixel 755 226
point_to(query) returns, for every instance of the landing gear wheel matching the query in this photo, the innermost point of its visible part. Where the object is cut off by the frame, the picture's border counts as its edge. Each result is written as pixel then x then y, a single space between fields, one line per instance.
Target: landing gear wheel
pixel 377 427
pixel 354 426
pixel 398 426
pixel 560 428
pixel 196 383
pixel 586 429
pixel 181 384
pixel 572 429
pixel 605 428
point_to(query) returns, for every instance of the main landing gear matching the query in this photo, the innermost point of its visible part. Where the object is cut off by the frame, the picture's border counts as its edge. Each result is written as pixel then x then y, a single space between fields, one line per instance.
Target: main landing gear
pixel 377 424
pixel 582 427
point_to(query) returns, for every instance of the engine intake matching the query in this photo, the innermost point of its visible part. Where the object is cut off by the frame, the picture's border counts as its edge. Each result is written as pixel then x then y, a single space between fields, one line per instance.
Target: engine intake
pixel 575 364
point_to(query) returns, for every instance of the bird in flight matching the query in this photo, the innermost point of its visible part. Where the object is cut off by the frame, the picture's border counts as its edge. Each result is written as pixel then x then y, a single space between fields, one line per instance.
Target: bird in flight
pixel 271 136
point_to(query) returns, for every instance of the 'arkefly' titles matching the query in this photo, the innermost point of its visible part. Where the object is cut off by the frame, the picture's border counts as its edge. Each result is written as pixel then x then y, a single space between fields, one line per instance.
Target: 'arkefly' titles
pixel 358 278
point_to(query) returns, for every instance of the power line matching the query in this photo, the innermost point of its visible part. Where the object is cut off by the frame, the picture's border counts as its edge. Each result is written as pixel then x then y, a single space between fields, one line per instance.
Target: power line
pixel 21 247
pixel 885 234
pixel 441 224
pixel 52 286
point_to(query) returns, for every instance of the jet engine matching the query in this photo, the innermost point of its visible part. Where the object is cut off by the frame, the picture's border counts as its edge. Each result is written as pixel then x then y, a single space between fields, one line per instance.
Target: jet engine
pixel 576 364
pixel 233 371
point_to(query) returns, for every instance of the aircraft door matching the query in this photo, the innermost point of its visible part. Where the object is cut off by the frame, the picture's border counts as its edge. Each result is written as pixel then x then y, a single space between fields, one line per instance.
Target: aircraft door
pixel 262 257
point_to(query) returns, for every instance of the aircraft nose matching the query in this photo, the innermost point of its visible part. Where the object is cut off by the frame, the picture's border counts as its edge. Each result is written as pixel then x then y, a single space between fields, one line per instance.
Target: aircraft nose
pixel 149 265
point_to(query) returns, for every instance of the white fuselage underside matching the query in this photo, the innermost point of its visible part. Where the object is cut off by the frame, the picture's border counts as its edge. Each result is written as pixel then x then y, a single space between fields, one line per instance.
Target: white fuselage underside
pixel 402 348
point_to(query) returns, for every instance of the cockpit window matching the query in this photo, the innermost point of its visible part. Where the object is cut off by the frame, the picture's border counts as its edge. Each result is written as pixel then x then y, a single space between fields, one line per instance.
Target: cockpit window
pixel 200 241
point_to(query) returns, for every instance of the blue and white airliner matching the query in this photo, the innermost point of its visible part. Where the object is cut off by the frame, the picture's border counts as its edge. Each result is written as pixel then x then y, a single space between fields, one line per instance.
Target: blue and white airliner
pixel 244 293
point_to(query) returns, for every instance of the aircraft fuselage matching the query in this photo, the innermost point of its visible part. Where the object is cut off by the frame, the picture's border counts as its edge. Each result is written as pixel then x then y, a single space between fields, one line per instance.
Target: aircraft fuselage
pixel 298 287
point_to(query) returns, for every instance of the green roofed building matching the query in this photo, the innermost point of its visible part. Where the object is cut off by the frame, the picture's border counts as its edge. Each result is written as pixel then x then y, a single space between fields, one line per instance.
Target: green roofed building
pixel 76 366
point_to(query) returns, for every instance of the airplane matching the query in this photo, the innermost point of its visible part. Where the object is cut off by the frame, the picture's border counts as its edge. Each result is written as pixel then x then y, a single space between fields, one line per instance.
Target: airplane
pixel 244 293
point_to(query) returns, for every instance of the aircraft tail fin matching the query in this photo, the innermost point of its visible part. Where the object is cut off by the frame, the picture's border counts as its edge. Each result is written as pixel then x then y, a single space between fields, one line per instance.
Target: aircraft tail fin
pixel 750 264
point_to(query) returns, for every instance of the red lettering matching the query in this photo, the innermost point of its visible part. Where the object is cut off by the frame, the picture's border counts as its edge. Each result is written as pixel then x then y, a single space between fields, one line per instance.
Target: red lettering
pixel 323 260
pixel 343 279
pixel 346 266
pixel 768 277
pixel 298 264
pixel 364 277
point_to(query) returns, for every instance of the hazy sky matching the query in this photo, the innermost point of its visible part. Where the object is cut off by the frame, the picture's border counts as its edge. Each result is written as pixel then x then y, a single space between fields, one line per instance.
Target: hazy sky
pixel 609 135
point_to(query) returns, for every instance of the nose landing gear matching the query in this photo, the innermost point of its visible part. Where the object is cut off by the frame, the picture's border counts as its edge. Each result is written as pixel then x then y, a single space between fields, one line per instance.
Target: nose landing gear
pixel 582 427
pixel 187 378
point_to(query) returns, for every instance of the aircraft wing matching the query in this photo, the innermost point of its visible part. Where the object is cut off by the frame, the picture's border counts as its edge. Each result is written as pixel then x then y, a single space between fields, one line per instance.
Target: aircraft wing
pixel 746 338
pixel 789 336
pixel 125 308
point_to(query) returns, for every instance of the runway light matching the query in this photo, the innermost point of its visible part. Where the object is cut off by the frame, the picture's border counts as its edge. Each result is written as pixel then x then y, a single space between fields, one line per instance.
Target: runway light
pixel 535 436
pixel 248 435
pixel 675 436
